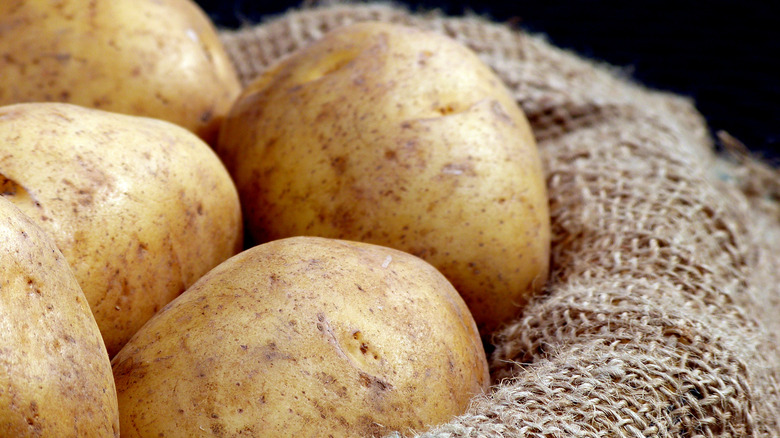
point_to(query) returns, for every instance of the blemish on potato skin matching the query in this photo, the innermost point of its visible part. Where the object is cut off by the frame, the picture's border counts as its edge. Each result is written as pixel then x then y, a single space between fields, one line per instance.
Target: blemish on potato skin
pixel 498 110
pixel 374 382
pixel 218 429
pixel 33 286
pixel 142 249
pixel 207 115
pixel 33 420
pixel 342 217
pixel 368 427
pixel 339 164
pixel 462 168
pixel 423 56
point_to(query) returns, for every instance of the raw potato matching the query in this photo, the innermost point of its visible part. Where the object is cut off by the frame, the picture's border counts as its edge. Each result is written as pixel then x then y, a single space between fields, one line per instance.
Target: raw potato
pixel 402 138
pixel 140 207
pixel 155 58
pixel 55 376
pixel 304 337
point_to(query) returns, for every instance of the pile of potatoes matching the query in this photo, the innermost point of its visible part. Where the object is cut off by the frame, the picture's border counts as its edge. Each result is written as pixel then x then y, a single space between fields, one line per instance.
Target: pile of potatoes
pixel 324 252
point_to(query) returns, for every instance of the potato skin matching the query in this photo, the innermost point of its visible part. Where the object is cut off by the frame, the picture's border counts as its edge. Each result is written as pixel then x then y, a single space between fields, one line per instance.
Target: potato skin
pixel 403 138
pixel 155 58
pixel 55 375
pixel 141 208
pixel 304 337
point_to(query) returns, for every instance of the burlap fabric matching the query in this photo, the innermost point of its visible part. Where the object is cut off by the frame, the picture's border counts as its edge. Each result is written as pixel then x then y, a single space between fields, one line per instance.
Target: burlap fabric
pixel 661 316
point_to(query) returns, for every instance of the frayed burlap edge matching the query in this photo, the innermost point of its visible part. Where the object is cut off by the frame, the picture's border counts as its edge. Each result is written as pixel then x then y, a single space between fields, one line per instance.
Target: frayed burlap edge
pixel 659 318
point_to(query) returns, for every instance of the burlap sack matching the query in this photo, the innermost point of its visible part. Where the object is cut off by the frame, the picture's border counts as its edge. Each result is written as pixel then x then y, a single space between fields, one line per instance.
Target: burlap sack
pixel 661 314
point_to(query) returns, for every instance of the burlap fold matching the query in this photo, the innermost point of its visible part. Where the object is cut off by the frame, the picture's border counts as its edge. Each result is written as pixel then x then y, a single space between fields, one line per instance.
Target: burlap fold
pixel 661 314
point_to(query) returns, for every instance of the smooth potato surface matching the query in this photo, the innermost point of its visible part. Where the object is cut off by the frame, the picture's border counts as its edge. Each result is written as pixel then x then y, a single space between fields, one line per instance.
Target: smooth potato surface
pixel 141 208
pixel 155 58
pixel 304 337
pixel 55 375
pixel 402 138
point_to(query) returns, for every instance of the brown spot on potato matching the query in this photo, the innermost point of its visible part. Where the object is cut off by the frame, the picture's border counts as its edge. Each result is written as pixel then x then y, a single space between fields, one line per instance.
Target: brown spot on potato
pixel 162 99
pixel 61 57
pixel 33 420
pixel 374 382
pixel 325 378
pixel 33 285
pixel 339 164
pixel 206 115
pixel 272 353
pixel 217 429
pixel 423 56
pixel 370 428
pixel 446 109
pixel 101 102
pixel 424 252
pixel 85 197
pixel 343 217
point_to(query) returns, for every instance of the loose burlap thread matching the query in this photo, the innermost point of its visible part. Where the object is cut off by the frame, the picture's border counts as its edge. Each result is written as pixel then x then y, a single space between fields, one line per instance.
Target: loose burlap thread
pixel 660 317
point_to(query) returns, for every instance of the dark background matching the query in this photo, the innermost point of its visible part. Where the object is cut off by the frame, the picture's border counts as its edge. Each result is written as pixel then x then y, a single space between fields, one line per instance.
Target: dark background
pixel 723 54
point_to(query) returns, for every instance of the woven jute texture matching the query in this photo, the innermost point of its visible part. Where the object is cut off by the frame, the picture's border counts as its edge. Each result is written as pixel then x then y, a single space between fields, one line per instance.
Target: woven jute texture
pixel 662 311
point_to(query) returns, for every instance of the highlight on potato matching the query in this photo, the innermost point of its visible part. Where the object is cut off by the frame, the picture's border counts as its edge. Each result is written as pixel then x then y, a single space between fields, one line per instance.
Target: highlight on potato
pixel 55 374
pixel 160 59
pixel 304 336
pixel 141 208
pixel 399 137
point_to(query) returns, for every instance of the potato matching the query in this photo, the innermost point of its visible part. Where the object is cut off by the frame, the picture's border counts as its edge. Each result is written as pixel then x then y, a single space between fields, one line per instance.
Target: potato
pixel 304 337
pixel 141 208
pixel 398 137
pixel 55 376
pixel 155 58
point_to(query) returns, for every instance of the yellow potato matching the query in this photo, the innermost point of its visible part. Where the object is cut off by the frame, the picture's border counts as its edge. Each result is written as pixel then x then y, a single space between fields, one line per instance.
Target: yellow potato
pixel 140 207
pixel 55 376
pixel 304 337
pixel 155 58
pixel 402 138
